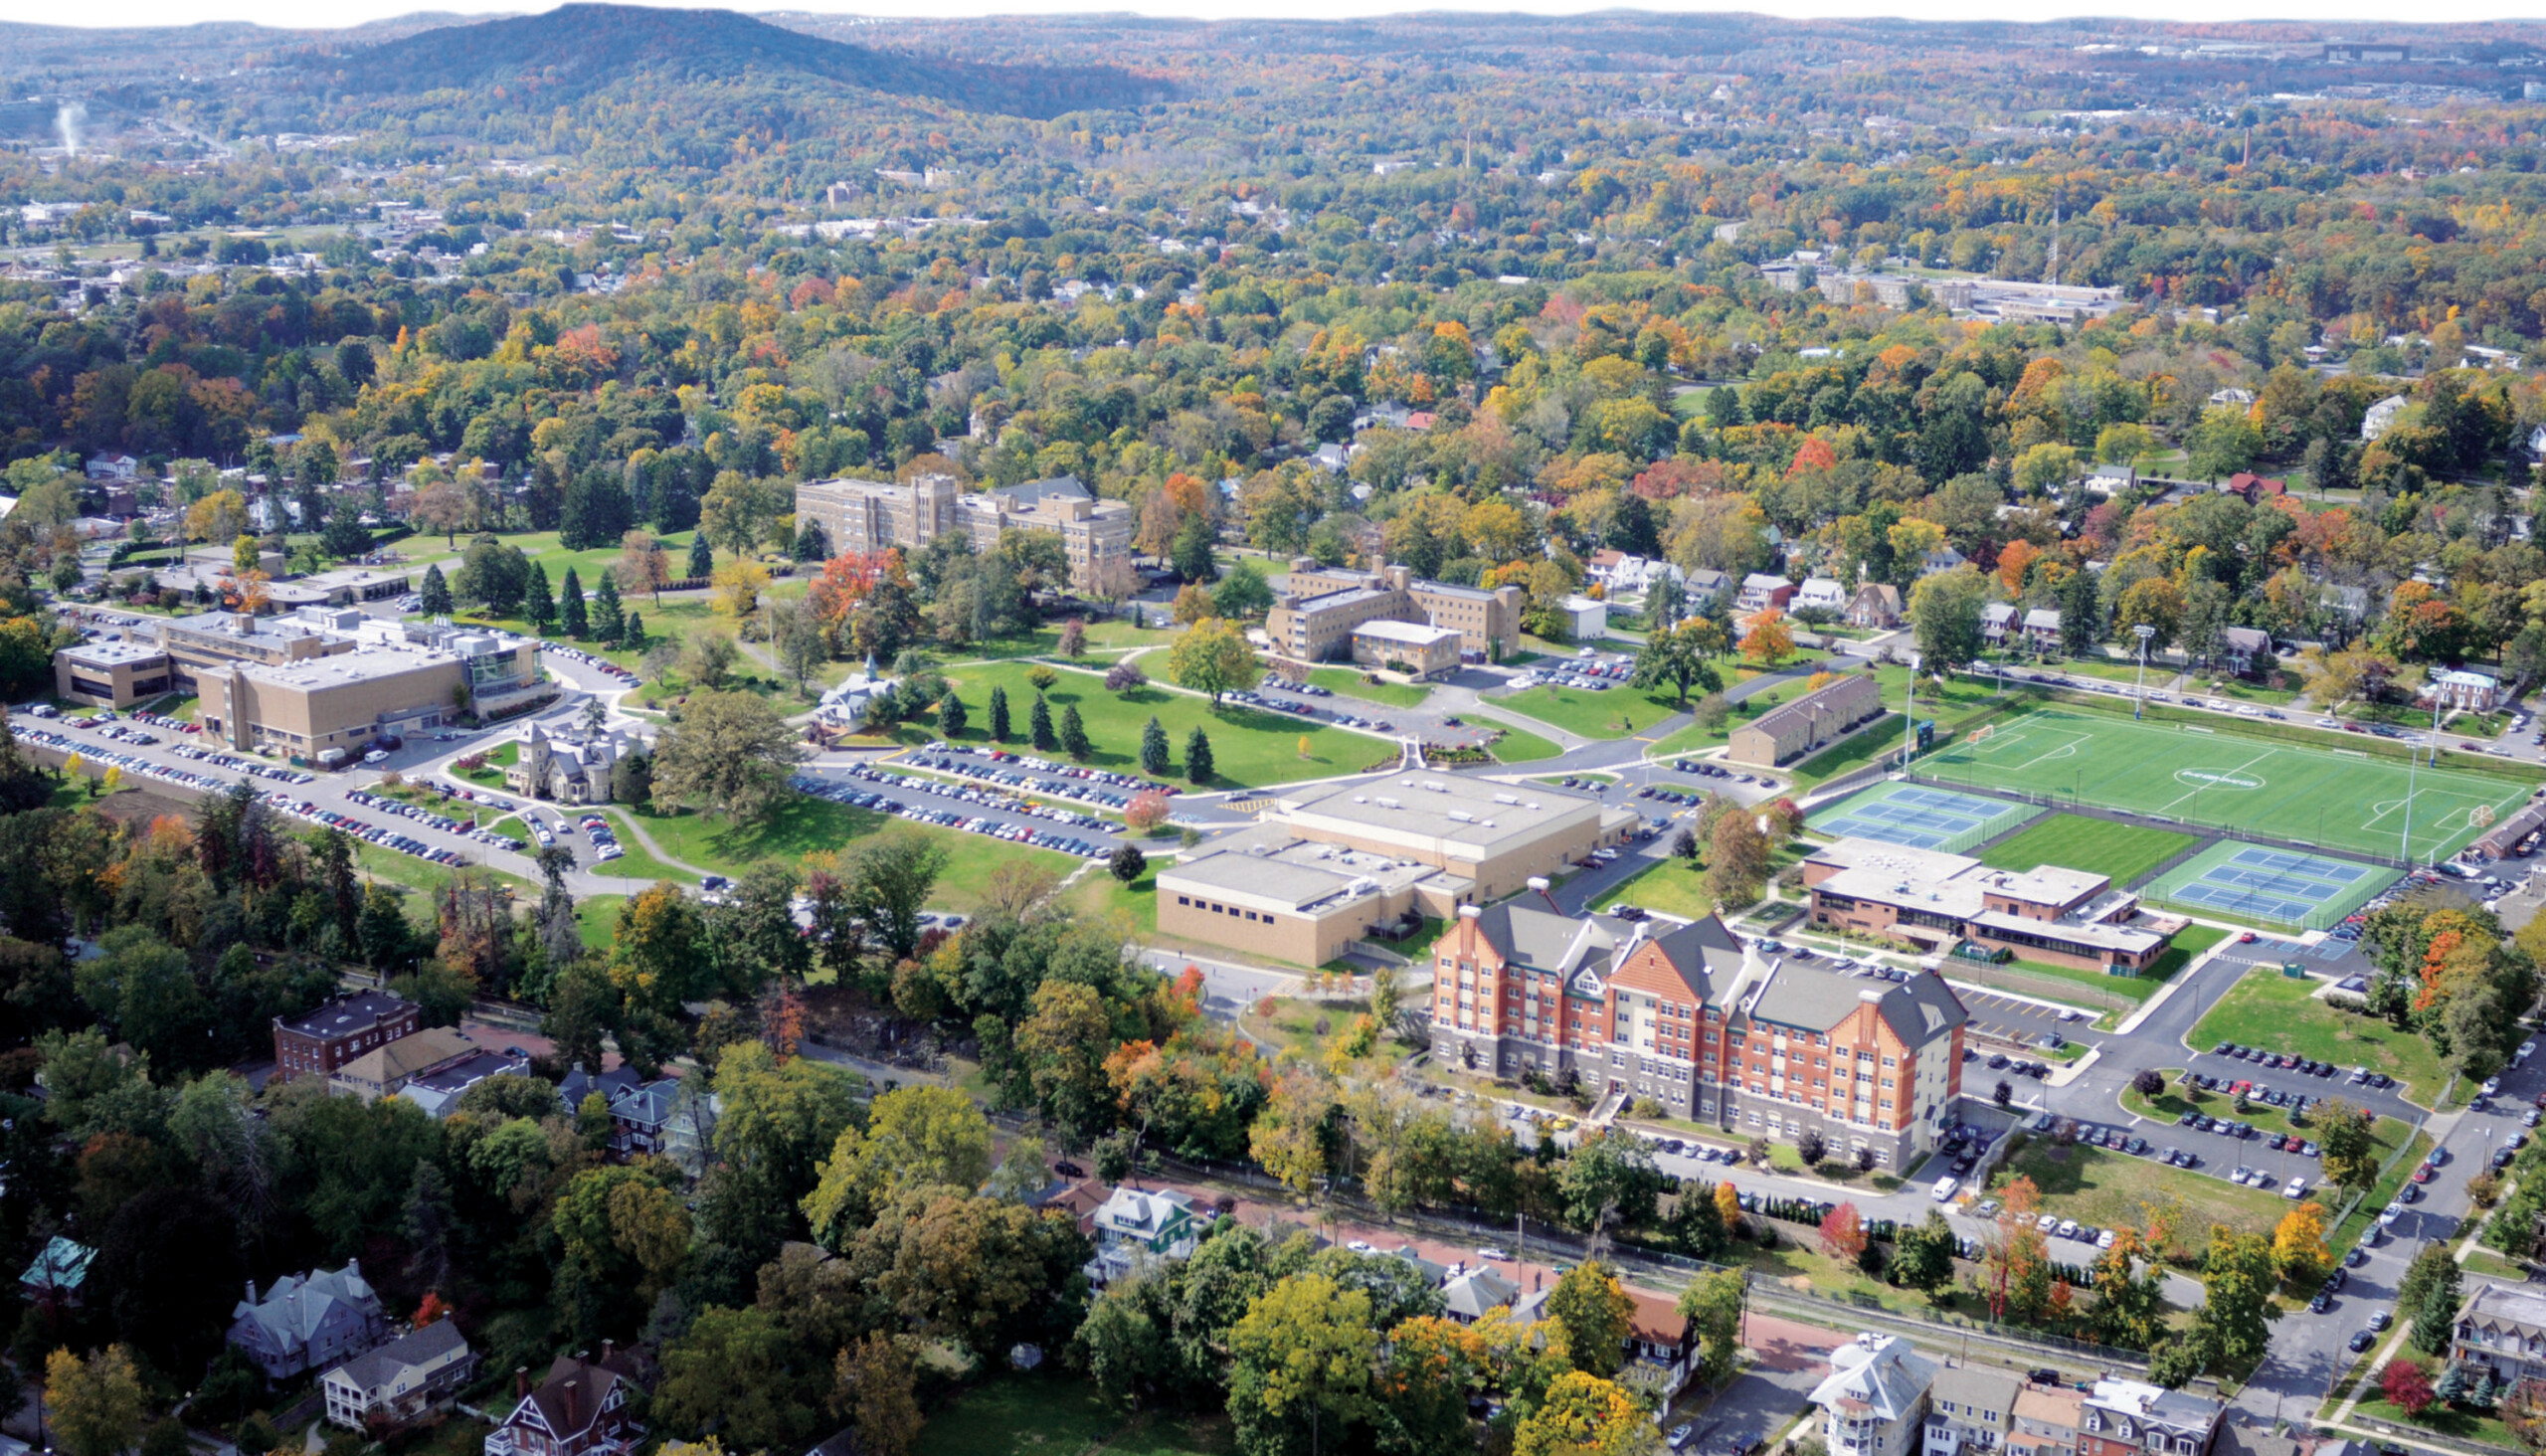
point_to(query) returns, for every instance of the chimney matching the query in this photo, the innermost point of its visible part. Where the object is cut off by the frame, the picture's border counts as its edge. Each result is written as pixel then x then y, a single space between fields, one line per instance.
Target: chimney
pixel 252 1291
pixel 522 1383
pixel 605 1346
pixel 574 1417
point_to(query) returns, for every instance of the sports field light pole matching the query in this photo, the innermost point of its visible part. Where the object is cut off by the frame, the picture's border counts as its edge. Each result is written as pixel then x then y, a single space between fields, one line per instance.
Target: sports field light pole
pixel 2143 632
pixel 1910 712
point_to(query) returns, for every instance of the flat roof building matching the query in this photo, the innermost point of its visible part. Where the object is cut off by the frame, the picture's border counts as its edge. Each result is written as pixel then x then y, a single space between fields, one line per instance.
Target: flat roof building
pixel 343 701
pixel 113 674
pixel 323 1039
pixel 1406 648
pixel 1329 864
pixel 1320 609
pixel 1935 901
pixel 213 641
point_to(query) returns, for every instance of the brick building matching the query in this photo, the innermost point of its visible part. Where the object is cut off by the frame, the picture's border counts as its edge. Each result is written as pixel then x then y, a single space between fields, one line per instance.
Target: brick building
pixel 1933 901
pixel 2132 1418
pixel 1320 607
pixel 1697 1020
pixel 1807 723
pixel 322 1040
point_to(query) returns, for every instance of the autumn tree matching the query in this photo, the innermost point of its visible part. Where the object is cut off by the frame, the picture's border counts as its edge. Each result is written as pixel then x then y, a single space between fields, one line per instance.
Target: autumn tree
pixel 1583 1415
pixel 731 754
pixel 874 1381
pixel 1767 637
pixel 1843 1234
pixel 1302 1355
pixel 1594 1315
pixel 95 1404
pixel 1214 656
pixel 1713 1304
pixel 2407 1386
pixel 2298 1248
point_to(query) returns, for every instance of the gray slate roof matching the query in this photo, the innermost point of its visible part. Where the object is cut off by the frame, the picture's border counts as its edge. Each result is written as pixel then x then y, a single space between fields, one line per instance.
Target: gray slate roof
pixel 378 1366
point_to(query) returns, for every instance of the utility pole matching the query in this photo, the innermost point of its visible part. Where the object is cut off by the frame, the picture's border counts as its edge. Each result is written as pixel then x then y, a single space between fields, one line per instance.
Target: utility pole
pixel 2143 632
pixel 1910 711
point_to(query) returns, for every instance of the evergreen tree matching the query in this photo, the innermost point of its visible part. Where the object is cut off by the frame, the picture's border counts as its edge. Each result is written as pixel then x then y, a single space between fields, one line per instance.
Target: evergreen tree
pixel 1153 747
pixel 2436 1319
pixel 570 608
pixel 436 592
pixel 951 716
pixel 1074 734
pixel 998 715
pixel 1198 758
pixel 1038 726
pixel 538 606
pixel 702 557
pixel 633 636
pixel 609 623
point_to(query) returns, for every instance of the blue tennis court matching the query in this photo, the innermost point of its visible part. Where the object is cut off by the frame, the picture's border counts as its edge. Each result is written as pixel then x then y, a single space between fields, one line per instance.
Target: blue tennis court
pixel 1921 816
pixel 2272 886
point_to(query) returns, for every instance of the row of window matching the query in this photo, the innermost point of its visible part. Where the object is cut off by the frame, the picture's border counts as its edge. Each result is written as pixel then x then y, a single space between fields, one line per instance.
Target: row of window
pixel 1232 911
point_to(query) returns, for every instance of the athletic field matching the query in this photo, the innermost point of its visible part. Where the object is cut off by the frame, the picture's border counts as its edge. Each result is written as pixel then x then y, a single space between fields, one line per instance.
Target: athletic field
pixel 2334 796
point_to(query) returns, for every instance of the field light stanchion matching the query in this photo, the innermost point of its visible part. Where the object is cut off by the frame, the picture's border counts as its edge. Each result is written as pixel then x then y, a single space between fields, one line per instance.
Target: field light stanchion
pixel 2139 705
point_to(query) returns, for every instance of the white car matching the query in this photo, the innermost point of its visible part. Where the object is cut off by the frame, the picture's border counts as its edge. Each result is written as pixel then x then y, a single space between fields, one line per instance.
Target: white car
pixel 2298 1188
pixel 1491 1253
pixel 1359 1246
pixel 2526 1050
pixel 1945 1188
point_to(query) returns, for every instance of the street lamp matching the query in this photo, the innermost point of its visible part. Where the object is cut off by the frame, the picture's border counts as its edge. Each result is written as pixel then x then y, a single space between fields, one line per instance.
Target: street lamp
pixel 2143 632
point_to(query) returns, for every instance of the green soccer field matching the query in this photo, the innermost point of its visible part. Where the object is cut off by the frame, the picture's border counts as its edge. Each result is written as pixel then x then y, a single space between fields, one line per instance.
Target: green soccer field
pixel 2335 797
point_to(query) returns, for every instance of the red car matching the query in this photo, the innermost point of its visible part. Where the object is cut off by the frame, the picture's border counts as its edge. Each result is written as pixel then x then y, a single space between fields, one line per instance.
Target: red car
pixel 2423 1173
pixel 2244 938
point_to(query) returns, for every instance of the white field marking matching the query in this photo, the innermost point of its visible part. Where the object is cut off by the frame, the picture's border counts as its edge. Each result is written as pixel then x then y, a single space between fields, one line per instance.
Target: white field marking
pixel 2240 768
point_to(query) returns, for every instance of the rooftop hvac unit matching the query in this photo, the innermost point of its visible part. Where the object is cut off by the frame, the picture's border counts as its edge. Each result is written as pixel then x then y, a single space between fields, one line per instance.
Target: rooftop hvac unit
pixel 1436 786
pixel 1361 798
pixel 1390 803
pixel 1463 816
pixel 1532 805
pixel 1363 886
pixel 1506 797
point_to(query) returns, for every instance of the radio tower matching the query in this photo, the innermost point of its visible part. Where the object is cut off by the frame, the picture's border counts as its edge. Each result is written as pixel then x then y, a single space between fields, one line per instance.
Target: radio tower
pixel 2052 276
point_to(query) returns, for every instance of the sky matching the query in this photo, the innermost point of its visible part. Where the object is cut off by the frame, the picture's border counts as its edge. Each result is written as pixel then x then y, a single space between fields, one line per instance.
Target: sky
pixel 334 13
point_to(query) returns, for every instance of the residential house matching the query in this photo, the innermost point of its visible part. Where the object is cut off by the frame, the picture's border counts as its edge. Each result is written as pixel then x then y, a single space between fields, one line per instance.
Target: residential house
pixel 2047 1419
pixel 1079 1199
pixel 2243 649
pixel 2502 1330
pixel 1821 594
pixel 1761 591
pixel 1474 1295
pixel 2133 1418
pixel 2381 415
pixel 1661 1341
pixel 2252 487
pixel 2232 396
pixel 307 1322
pixel 2472 692
pixel 1705 586
pixel 1997 621
pixel 2537 446
pixel 1875 1399
pixel 2041 629
pixel 1942 559
pixel 54 1280
pixel 580 1083
pixel 2112 479
pixel 1135 1227
pixel 438 1091
pixel 580 1410
pixel 1877 605
pixel 400 1380
pixel 1971 1409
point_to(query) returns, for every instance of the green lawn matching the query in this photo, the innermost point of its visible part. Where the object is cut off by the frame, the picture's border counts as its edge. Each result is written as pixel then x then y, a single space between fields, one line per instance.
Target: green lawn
pixel 2106 1188
pixel 808 826
pixel 2441 1420
pixel 597 917
pixel 1249 747
pixel 1518 745
pixel 2273 1012
pixel 2120 852
pixel 1617 713
pixel 636 864
pixel 1347 681
pixel 2289 786
pixel 1675 887
pixel 1056 1414
pixel 544 548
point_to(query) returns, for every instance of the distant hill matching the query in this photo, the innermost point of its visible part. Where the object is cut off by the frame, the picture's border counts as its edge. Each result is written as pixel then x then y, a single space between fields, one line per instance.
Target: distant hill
pixel 578 48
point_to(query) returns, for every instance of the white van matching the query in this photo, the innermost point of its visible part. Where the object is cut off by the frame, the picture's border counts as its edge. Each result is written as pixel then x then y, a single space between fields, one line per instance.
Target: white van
pixel 1945 1188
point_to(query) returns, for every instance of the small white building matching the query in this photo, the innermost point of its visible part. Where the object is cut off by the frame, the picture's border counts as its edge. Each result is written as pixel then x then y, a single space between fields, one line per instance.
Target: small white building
pixel 1824 593
pixel 1584 620
pixel 2381 414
